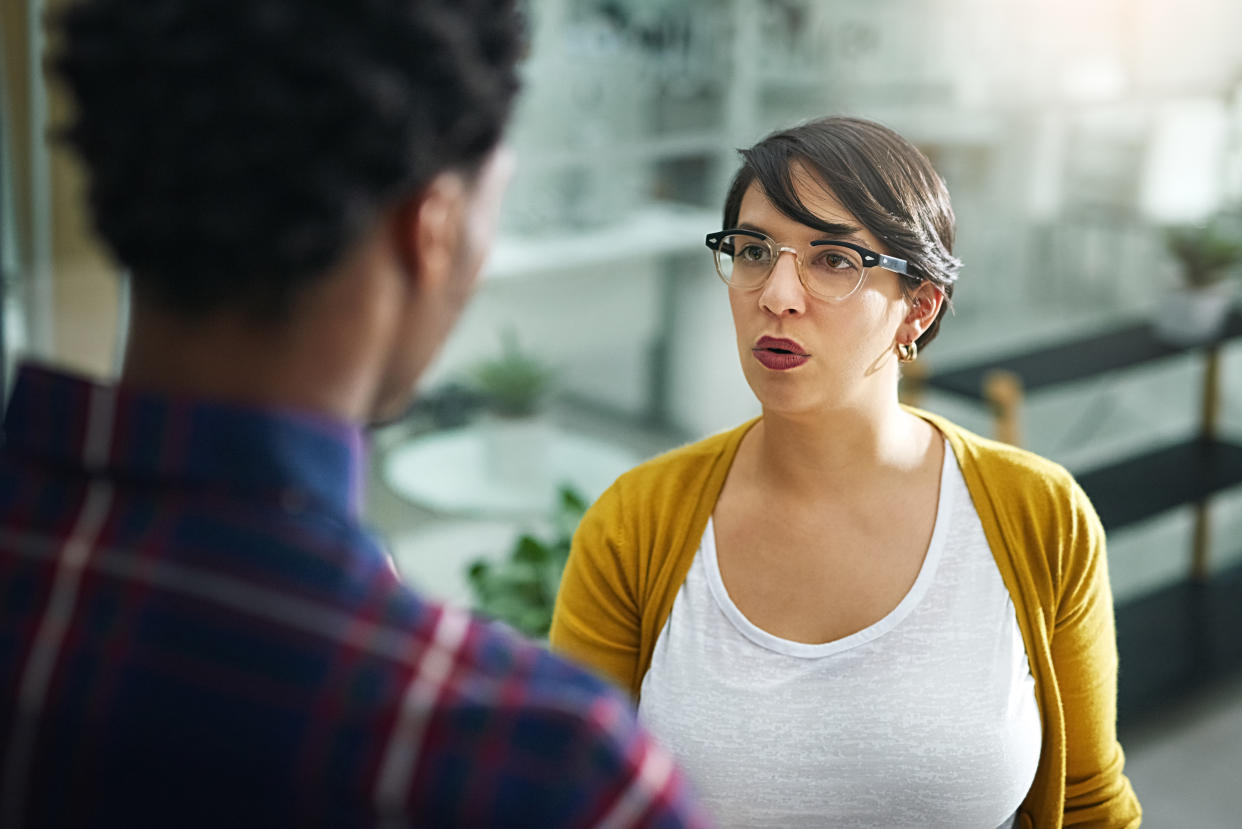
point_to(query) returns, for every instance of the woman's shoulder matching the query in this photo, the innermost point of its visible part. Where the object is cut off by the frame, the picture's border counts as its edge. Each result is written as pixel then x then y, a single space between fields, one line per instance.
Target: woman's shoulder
pixel 995 458
pixel 1012 477
pixel 693 456
pixel 682 470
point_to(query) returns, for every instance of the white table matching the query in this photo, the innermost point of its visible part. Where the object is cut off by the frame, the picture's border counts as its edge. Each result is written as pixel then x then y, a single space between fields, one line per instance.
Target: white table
pixel 450 473
pixel 479 514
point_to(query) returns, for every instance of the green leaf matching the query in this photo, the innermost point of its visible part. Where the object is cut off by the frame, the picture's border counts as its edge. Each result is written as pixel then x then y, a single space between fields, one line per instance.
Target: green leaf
pixel 534 621
pixel 571 501
pixel 1206 252
pixel 521 589
pixel 551 582
pixel 530 550
pixel 513 383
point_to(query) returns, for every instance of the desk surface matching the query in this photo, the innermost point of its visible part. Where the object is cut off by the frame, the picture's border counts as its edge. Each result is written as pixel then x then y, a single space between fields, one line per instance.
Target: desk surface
pixel 1123 347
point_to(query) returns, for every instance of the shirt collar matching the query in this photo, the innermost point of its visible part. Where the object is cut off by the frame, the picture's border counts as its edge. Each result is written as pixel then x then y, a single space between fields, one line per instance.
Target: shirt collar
pixel 134 434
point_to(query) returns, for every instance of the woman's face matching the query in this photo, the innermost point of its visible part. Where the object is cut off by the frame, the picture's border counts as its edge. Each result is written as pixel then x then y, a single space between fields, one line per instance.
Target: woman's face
pixel 849 345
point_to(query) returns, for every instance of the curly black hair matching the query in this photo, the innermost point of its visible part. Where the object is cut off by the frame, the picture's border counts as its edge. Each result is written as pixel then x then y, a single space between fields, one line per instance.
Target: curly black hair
pixel 237 148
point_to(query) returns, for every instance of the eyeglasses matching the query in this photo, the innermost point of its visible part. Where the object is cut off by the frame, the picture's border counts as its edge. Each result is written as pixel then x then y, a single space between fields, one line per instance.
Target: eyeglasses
pixel 828 270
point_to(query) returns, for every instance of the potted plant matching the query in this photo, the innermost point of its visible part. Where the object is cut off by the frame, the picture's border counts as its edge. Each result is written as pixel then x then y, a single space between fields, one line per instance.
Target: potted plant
pixel 1206 255
pixel 516 438
pixel 520 590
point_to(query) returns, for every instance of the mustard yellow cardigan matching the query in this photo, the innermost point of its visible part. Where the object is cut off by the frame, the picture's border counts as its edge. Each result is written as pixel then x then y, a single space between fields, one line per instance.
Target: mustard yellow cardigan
pixel 634 547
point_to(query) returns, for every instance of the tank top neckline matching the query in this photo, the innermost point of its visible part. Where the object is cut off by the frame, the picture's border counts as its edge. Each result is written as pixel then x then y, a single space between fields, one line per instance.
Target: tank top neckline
pixel 807 650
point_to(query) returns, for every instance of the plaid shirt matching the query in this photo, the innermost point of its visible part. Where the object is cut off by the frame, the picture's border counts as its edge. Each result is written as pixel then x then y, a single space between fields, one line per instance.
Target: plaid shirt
pixel 195 630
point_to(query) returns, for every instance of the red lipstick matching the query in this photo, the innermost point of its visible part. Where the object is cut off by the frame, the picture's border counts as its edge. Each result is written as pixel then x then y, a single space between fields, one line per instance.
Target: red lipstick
pixel 779 354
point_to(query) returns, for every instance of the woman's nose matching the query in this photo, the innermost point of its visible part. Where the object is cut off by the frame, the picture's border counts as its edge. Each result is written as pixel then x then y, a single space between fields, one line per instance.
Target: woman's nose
pixel 783 292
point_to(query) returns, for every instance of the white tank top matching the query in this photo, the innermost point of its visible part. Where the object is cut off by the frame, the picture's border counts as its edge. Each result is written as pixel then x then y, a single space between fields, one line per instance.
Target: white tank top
pixel 927 718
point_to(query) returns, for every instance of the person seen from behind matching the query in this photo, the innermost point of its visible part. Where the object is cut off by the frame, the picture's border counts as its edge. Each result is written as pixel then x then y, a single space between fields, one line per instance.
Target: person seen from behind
pixel 195 627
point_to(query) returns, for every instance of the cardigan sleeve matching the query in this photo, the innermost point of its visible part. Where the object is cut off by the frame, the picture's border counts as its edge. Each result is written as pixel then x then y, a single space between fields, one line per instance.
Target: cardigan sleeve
pixel 597 618
pixel 1084 655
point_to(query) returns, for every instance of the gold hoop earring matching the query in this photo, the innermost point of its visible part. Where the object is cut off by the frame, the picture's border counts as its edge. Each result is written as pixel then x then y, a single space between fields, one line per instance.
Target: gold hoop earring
pixel 907 352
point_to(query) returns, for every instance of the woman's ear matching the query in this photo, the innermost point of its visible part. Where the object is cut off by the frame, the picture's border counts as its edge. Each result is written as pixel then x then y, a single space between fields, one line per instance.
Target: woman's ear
pixel 925 303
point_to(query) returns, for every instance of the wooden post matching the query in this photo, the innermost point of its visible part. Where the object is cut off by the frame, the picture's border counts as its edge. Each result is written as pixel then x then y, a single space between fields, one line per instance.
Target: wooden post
pixel 1209 411
pixel 1003 392
pixel 1211 393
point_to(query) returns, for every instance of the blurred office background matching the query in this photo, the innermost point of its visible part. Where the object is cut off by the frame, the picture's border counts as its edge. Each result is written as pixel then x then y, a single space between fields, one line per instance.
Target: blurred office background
pixel 1072 136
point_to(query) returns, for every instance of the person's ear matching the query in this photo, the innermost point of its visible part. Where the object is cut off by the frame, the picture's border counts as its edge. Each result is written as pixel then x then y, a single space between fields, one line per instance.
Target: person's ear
pixel 429 229
pixel 925 303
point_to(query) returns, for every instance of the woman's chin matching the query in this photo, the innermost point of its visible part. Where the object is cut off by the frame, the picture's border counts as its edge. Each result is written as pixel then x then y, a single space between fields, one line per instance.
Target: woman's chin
pixel 790 402
pixel 781 391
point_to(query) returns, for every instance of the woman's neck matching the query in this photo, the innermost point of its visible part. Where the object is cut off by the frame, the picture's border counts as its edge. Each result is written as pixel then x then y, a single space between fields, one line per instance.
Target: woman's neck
pixel 837 451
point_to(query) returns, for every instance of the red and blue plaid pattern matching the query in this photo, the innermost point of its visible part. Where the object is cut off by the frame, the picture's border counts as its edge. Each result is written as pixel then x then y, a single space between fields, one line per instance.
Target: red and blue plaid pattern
pixel 196 631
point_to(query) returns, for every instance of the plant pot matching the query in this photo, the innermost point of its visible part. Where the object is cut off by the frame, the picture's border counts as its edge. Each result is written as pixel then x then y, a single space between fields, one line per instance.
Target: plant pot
pixel 1191 316
pixel 516 449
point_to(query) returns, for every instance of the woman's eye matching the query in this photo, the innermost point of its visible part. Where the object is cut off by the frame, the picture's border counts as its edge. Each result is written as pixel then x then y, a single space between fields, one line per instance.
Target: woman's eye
pixel 754 253
pixel 837 261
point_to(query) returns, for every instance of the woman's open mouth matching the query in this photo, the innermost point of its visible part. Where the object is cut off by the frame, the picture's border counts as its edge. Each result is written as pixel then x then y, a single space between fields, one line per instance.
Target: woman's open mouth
pixel 779 354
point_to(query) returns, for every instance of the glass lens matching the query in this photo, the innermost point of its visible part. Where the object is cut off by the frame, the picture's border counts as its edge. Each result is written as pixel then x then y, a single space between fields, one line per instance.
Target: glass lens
pixel 832 271
pixel 744 261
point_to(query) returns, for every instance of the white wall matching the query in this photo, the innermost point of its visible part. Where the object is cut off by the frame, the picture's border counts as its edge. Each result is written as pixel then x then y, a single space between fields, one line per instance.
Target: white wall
pixel 595 327
pixel 707 391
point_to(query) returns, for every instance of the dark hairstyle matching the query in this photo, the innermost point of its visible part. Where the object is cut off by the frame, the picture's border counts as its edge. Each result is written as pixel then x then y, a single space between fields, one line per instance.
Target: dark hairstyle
pixel 237 148
pixel 878 176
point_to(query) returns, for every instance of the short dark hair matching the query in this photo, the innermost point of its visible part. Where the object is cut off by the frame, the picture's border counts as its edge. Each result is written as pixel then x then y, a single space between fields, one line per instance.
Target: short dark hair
pixel 237 148
pixel 878 176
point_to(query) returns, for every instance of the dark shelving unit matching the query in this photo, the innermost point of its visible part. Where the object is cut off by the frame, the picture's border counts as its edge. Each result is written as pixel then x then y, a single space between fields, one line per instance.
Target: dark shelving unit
pixel 1145 485
pixel 1187 633
pixel 1177 639
pixel 1121 348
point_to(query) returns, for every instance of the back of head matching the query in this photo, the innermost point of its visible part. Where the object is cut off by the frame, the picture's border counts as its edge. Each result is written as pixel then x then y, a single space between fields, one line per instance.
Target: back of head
pixel 877 175
pixel 236 148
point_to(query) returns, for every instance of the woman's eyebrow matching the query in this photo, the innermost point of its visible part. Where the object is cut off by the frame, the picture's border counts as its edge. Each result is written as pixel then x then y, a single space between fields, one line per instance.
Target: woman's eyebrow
pixel 831 230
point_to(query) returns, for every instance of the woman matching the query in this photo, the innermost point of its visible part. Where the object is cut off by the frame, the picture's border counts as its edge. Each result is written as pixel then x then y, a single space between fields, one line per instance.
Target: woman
pixel 847 612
